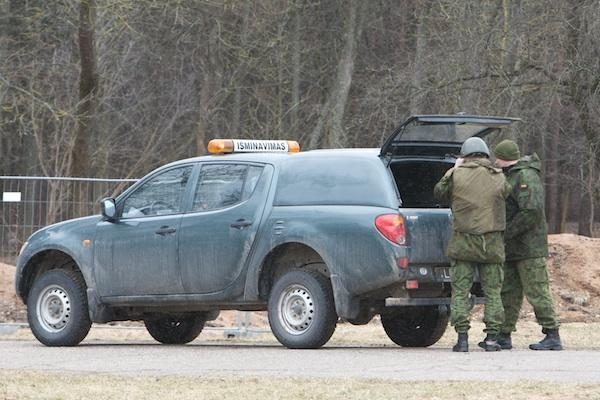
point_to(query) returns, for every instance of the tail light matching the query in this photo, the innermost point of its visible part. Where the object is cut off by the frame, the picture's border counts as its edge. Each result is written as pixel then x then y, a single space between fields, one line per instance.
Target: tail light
pixel 402 262
pixel 412 284
pixel 392 227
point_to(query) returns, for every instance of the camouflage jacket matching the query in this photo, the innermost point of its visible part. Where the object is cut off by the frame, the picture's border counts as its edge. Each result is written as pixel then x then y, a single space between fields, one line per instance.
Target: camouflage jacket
pixel 476 192
pixel 526 234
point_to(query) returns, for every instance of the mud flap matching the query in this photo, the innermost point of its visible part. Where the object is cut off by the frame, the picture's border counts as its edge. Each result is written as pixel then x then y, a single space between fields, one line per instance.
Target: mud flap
pixel 346 305
pixel 99 312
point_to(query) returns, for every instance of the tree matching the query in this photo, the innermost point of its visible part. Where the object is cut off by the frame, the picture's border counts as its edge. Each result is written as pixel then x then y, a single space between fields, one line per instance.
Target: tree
pixel 329 128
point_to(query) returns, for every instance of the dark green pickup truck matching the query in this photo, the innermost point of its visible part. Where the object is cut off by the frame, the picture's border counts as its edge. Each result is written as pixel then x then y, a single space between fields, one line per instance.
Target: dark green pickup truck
pixel 311 237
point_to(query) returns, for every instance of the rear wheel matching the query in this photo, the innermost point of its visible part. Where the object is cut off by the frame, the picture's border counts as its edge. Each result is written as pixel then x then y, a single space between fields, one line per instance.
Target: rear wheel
pixel 416 326
pixel 301 310
pixel 57 308
pixel 175 330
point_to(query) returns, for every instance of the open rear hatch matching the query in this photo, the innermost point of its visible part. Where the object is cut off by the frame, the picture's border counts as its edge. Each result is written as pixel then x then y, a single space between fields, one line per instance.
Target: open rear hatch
pixel 418 154
pixel 439 135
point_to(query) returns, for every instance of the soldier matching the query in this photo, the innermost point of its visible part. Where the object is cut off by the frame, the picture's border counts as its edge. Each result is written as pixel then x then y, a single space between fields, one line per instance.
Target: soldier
pixel 476 192
pixel 526 239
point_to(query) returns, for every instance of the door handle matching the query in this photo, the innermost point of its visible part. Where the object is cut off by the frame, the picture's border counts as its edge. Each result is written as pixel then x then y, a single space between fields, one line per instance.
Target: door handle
pixel 241 223
pixel 165 230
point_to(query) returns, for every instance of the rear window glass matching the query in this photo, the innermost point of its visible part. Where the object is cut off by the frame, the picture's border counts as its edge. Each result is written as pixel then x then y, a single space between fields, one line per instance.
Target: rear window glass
pixel 224 185
pixel 332 180
pixel 440 132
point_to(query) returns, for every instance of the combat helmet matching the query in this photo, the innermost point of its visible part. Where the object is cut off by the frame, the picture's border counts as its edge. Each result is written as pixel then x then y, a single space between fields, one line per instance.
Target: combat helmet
pixel 474 145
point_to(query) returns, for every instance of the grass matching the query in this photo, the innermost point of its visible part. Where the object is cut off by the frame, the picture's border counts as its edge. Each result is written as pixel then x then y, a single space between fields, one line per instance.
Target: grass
pixel 38 385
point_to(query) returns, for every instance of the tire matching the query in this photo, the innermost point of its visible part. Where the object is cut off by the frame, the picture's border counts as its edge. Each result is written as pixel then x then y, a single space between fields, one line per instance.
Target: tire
pixel 301 310
pixel 57 308
pixel 416 326
pixel 175 330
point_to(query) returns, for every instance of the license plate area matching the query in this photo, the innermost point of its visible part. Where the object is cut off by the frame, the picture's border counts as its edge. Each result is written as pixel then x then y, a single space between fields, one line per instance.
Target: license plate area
pixel 443 273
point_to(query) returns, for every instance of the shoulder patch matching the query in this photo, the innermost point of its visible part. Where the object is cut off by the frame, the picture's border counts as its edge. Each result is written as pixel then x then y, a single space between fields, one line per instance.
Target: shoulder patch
pixel 524 186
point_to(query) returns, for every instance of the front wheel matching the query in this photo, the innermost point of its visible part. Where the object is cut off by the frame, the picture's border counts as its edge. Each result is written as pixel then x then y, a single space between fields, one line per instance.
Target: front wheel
pixel 416 326
pixel 301 310
pixel 57 308
pixel 175 330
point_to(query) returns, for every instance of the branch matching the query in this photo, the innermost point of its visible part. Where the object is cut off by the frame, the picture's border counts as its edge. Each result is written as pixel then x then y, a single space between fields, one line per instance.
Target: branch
pixel 56 114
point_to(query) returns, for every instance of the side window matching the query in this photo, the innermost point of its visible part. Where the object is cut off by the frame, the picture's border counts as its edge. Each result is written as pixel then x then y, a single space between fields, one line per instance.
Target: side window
pixel 223 185
pixel 251 180
pixel 161 195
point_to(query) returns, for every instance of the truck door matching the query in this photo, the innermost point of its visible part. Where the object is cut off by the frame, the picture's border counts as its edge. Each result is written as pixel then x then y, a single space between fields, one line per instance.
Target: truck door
pixel 217 234
pixel 137 255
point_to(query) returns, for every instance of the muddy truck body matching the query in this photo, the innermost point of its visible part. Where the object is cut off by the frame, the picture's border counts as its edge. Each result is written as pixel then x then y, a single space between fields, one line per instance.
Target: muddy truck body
pixel 311 237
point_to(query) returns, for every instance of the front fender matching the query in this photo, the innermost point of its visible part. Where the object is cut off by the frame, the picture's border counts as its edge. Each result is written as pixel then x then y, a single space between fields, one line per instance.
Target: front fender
pixel 60 238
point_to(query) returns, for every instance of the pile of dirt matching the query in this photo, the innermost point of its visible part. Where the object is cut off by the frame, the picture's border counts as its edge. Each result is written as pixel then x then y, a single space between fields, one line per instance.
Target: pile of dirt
pixel 573 266
pixel 574 269
pixel 11 307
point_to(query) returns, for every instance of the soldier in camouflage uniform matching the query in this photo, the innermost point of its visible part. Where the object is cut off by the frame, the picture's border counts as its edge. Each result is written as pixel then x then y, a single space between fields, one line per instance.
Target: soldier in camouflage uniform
pixel 476 192
pixel 526 240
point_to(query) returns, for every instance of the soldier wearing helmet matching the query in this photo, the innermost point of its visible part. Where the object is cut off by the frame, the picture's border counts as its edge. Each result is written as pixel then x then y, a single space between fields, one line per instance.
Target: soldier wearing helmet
pixel 476 191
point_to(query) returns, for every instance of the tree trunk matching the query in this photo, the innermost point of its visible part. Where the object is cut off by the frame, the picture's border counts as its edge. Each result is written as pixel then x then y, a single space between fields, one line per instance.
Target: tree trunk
pixel 210 83
pixel 564 210
pixel 296 66
pixel 329 126
pixel 586 215
pixel 237 96
pixel 88 87
pixel 552 178
pixel 417 93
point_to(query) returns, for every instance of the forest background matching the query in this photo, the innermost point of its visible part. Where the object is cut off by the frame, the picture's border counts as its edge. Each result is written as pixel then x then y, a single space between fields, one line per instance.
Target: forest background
pixel 114 88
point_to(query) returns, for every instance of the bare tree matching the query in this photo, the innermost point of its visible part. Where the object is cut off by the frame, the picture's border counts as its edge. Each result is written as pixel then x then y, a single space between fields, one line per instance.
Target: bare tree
pixel 88 87
pixel 329 127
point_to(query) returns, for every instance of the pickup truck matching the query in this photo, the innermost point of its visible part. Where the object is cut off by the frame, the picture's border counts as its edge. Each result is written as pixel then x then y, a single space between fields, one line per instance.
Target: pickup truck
pixel 311 237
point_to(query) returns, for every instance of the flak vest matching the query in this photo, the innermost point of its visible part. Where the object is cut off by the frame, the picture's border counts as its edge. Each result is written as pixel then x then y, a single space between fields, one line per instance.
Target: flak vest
pixel 478 192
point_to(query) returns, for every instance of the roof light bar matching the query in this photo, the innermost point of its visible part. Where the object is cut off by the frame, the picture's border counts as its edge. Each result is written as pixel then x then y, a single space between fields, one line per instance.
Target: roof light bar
pixel 219 146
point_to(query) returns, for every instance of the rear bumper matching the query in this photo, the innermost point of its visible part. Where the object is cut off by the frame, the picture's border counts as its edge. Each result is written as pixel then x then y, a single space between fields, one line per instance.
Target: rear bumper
pixel 436 301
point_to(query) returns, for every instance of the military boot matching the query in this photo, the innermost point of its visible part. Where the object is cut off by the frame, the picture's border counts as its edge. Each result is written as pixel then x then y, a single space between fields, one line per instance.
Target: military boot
pixel 505 341
pixel 491 343
pixel 550 342
pixel 462 345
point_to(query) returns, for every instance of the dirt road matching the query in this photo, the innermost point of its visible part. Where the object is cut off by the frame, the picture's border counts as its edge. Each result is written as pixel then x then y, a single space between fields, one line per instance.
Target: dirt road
pixel 330 362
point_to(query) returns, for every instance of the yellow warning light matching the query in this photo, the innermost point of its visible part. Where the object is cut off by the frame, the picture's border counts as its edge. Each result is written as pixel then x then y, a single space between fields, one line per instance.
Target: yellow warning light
pixel 294 147
pixel 217 146
pixel 86 242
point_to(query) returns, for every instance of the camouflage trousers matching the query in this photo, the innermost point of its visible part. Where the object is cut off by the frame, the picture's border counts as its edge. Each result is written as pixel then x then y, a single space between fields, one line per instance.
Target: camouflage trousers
pixel 530 278
pixel 462 274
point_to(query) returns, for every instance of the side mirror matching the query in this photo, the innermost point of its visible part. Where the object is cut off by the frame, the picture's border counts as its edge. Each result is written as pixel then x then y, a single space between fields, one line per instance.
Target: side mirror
pixel 109 209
